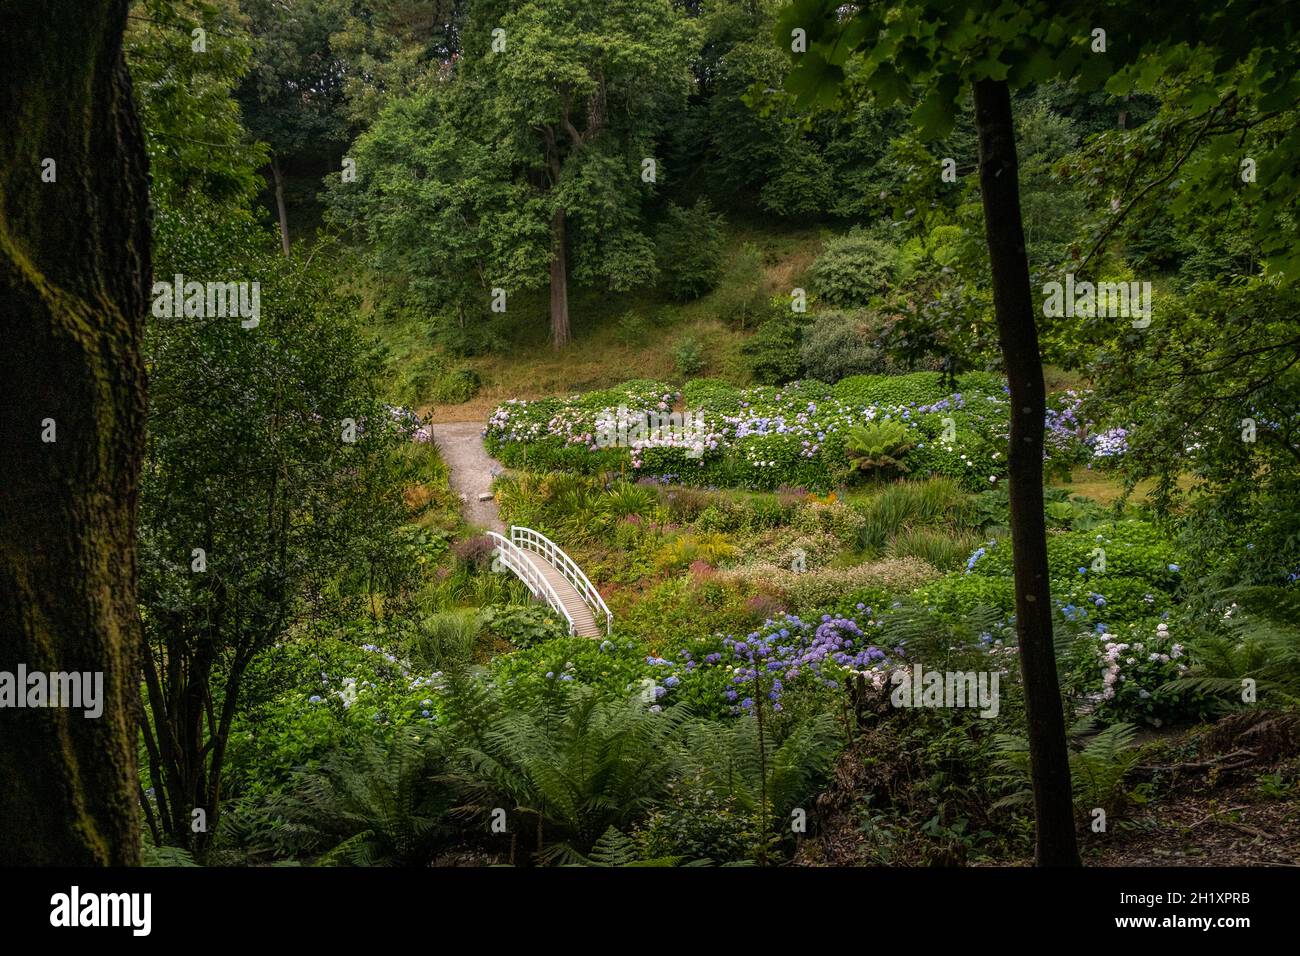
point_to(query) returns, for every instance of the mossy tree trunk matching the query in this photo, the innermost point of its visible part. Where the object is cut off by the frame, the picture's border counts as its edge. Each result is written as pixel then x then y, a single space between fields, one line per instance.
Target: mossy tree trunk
pixel 74 274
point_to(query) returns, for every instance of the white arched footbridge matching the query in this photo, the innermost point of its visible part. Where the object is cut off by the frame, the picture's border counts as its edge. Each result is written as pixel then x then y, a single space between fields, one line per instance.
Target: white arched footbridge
pixel 554 577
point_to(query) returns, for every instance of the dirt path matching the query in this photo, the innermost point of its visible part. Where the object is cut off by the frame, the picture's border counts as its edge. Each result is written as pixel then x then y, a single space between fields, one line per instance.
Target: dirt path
pixel 472 468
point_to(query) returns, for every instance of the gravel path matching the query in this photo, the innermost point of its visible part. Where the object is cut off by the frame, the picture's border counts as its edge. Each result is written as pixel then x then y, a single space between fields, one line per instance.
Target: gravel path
pixel 461 445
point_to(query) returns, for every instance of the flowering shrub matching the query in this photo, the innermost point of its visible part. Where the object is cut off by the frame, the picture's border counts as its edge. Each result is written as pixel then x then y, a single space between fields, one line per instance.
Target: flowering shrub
pixel 1129 674
pixel 794 434
pixel 315 695
pixel 619 666
pixel 1065 437
pixel 698 822
pixel 414 427
pixel 1129 547
pixel 716 675
pixel 1109 444
pixel 787 655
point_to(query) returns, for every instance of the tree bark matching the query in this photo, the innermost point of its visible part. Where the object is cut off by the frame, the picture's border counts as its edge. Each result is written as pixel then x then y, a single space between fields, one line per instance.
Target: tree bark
pixel 74 273
pixel 1018 334
pixel 278 176
pixel 559 283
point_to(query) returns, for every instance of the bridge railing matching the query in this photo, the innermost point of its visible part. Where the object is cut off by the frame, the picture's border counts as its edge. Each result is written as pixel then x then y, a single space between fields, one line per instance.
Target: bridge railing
pixel 535 541
pixel 513 557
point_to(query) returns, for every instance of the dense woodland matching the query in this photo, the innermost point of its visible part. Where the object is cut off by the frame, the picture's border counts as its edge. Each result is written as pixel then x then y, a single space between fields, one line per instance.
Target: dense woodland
pixel 986 315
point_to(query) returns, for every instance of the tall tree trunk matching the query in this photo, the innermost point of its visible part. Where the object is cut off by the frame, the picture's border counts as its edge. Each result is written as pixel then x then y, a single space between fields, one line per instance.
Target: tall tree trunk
pixel 1018 334
pixel 278 176
pixel 74 273
pixel 559 283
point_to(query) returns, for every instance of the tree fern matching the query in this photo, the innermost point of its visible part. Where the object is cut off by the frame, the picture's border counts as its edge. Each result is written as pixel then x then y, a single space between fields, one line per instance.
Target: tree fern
pixel 577 761
pixel 1263 645
pixel 151 855
pixel 728 757
pixel 930 638
pixel 878 446
pixel 615 848
pixel 372 805
pixel 1097 768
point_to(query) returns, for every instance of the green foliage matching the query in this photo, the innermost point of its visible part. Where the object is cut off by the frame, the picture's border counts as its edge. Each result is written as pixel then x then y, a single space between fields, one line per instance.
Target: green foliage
pixel 167 856
pixel 942 548
pixel 890 49
pixel 455 387
pixel 794 435
pixel 446 639
pixel 779 768
pixel 773 351
pixel 1050 206
pixel 684 550
pixel 891 389
pixel 323 587
pixel 909 504
pixel 303 699
pixel 294 54
pixel 854 269
pixel 1226 414
pixel 928 802
pixel 697 824
pixel 688 357
pixel 633 328
pixel 199 150
pixel 690 249
pixel 463 186
pixel 615 849
pixel 739 297
pixel 292 518
pixel 390 48
pixel 710 394
pixel 680 610
pixel 840 344
pixel 739 787
pixel 523 625
pixel 1256 639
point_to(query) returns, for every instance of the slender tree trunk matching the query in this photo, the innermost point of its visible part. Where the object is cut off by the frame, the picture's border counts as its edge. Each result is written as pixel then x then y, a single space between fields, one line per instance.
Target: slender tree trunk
pixel 278 175
pixel 74 274
pixel 1013 304
pixel 559 283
